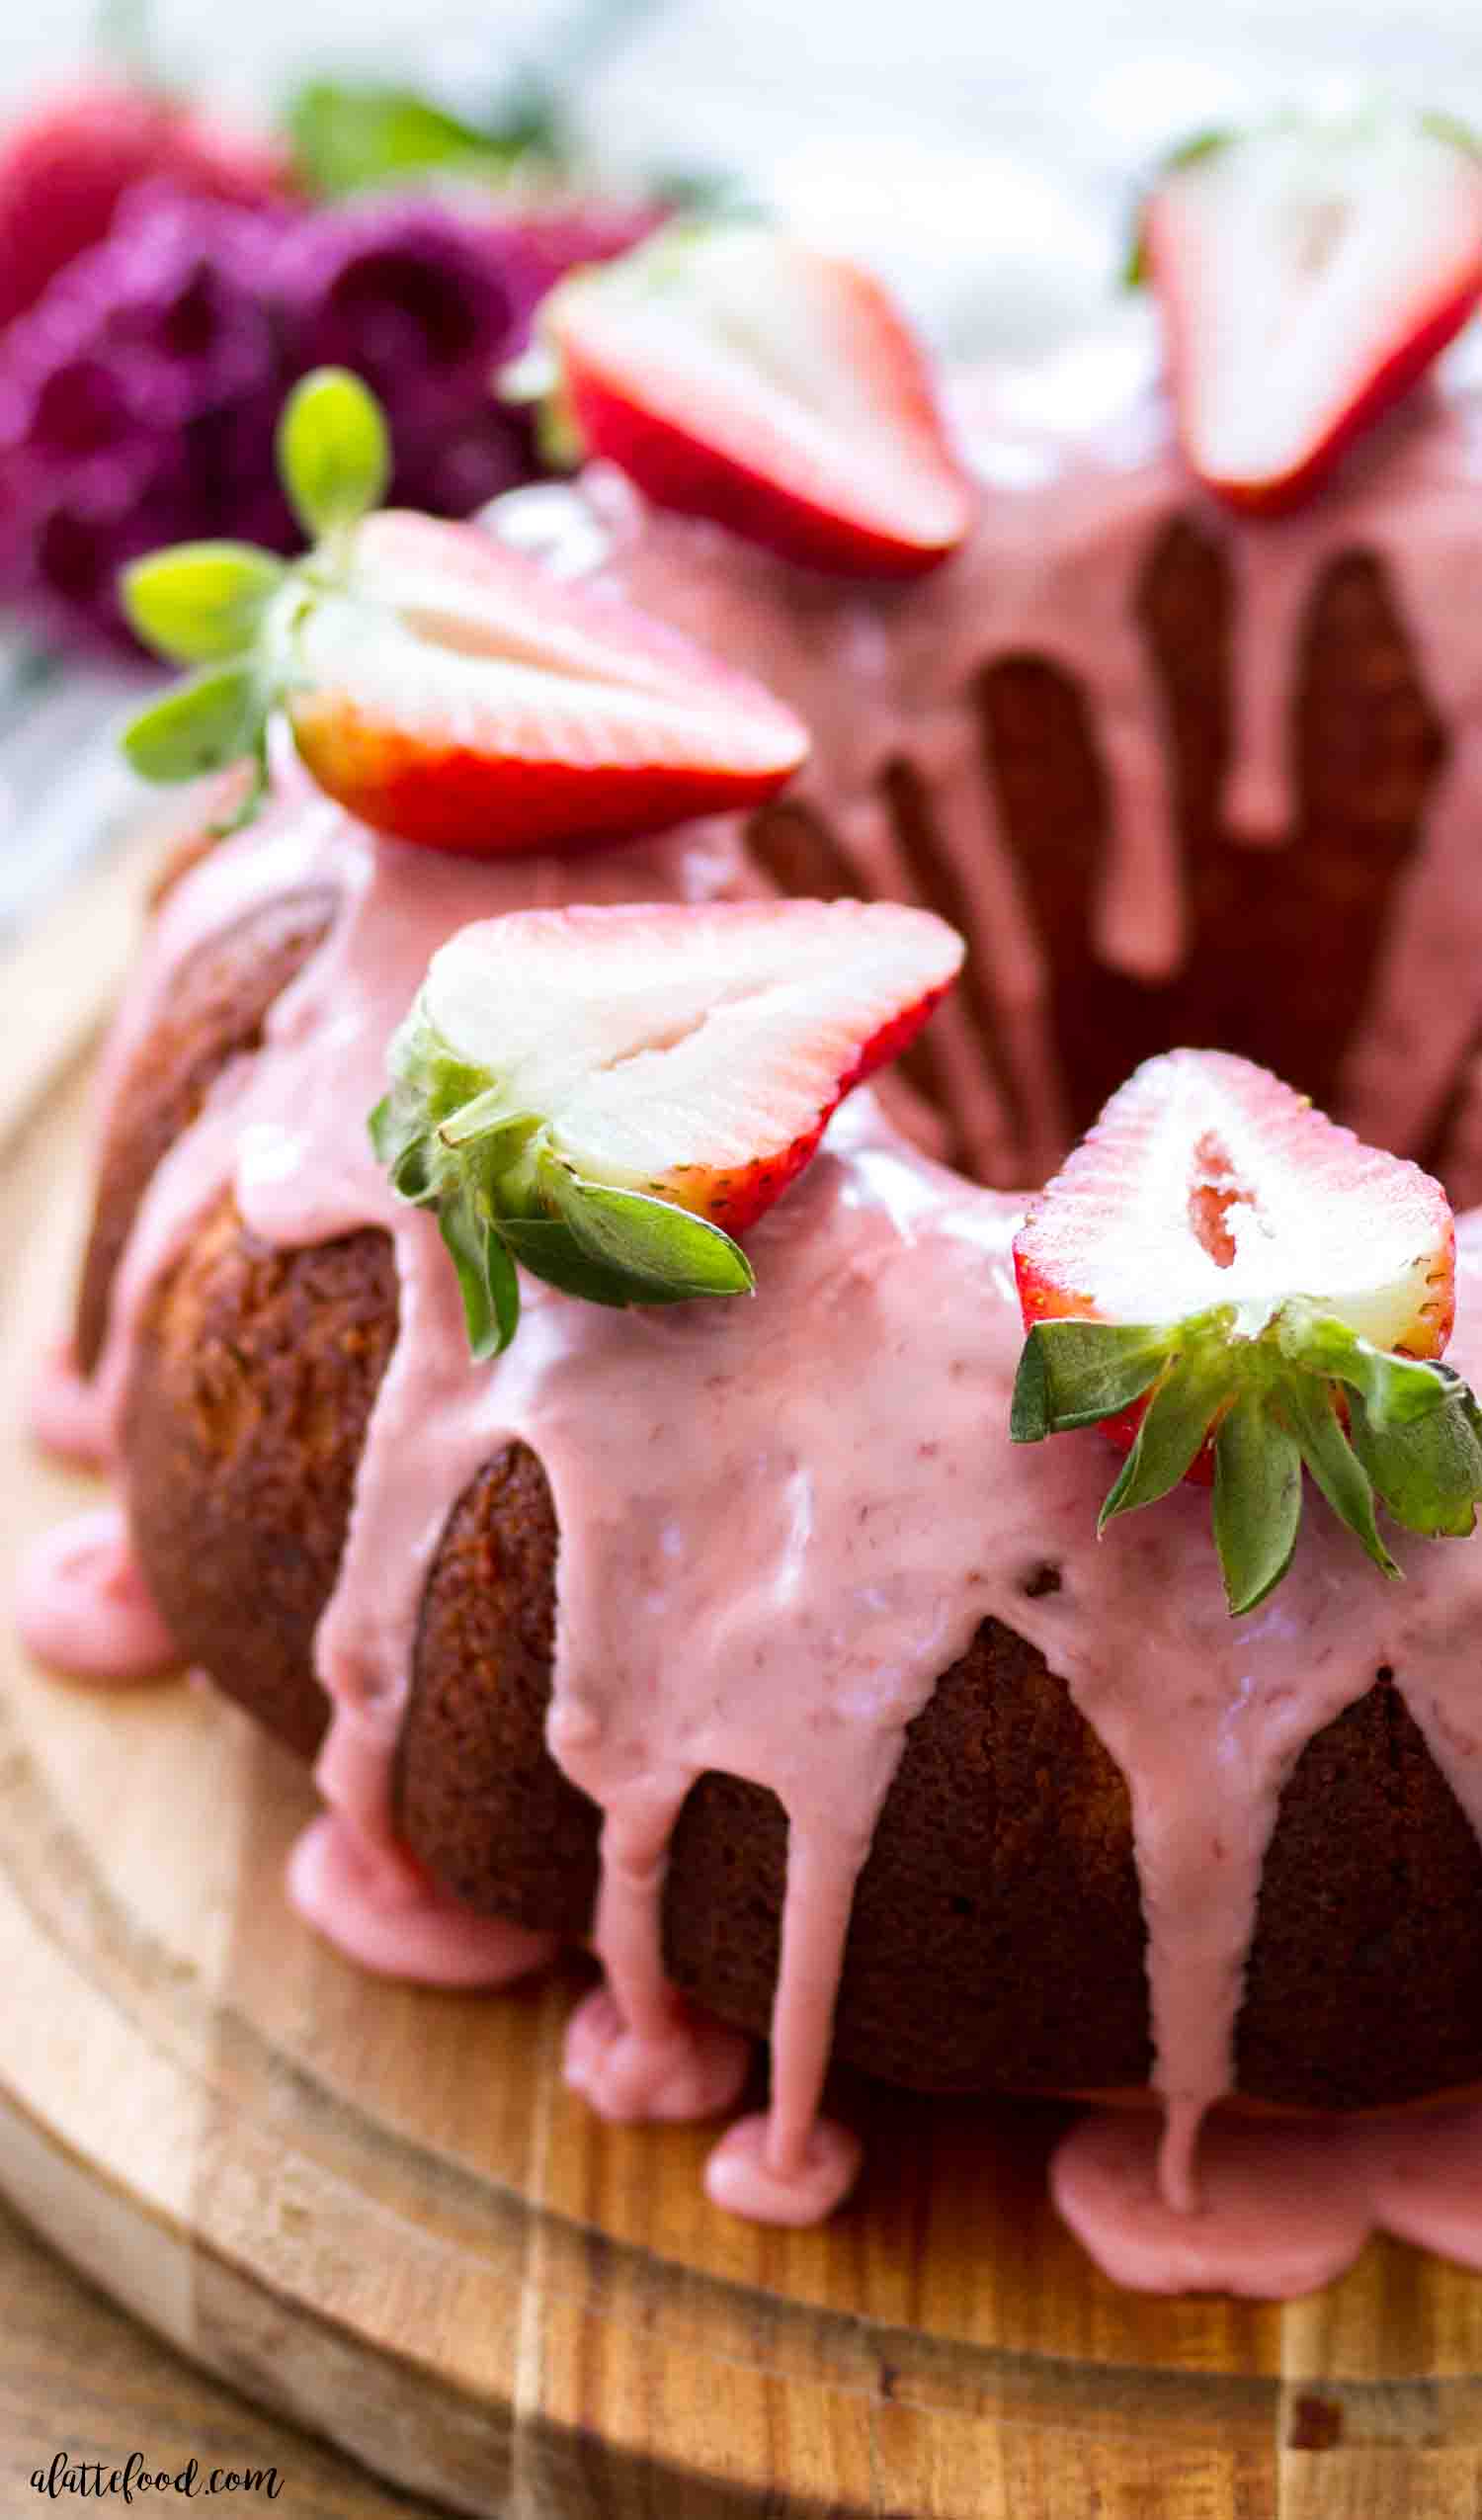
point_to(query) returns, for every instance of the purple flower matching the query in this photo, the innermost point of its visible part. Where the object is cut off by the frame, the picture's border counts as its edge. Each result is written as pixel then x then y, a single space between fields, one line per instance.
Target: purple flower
pixel 416 295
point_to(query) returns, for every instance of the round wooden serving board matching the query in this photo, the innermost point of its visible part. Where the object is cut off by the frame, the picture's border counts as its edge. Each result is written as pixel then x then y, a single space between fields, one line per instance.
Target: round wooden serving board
pixel 375 2209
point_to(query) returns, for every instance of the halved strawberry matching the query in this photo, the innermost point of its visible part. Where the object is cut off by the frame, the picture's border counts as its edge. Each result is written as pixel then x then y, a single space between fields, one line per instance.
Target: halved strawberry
pixel 1308 273
pixel 735 373
pixel 438 684
pixel 1219 1265
pixel 452 693
pixel 599 1093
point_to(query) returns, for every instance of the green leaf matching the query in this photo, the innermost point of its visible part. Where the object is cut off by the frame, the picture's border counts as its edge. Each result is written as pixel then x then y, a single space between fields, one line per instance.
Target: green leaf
pixel 412 1175
pixel 1430 1472
pixel 334 453
pixel 649 1240
pixel 550 1250
pixel 486 1275
pixel 347 137
pixel 201 725
pixel 1075 1373
pixel 1258 1502
pixel 1396 1390
pixel 1174 1428
pixel 1307 1407
pixel 199 602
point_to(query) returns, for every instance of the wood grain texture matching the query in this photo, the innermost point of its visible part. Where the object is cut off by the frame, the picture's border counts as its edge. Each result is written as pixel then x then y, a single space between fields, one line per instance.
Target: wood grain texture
pixel 375 2210
pixel 78 2376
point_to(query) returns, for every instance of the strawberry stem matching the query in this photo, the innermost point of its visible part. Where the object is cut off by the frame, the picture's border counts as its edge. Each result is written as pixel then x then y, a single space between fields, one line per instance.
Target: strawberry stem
pixel 502 1193
pixel 1294 1388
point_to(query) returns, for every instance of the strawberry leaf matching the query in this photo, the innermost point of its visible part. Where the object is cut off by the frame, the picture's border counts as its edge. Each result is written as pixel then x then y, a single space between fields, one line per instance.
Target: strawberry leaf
pixel 1174 1429
pixel 548 1249
pixel 202 725
pixel 198 603
pixel 1258 1502
pixel 1429 1473
pixel 1075 1373
pixel 648 1240
pixel 334 452
pixel 1325 1448
pixel 1395 1390
pixel 1267 1403
pixel 486 1276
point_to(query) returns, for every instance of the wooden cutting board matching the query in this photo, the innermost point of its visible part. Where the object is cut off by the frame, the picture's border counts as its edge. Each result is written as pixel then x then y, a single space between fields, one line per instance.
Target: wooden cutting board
pixel 375 2209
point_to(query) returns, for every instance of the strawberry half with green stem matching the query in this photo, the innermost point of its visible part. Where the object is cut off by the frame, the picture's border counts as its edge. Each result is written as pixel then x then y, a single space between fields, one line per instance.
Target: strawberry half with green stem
pixel 1308 272
pixel 1220 1269
pixel 438 684
pixel 608 1095
pixel 735 373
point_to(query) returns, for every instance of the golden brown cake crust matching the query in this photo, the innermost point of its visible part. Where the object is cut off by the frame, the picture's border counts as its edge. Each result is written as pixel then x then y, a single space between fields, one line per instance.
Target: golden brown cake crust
pixel 214 1010
pixel 998 1938
pixel 243 1421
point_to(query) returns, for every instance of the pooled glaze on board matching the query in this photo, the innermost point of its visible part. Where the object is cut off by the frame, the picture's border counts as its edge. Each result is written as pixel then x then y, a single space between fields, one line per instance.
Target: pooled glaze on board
pixel 756 1579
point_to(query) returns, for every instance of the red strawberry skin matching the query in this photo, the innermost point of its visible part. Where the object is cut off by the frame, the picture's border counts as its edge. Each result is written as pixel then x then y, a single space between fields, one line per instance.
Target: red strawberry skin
pixel 735 1199
pixel 638 420
pixel 516 715
pixel 1391 378
pixel 64 170
pixel 448 797
pixel 679 470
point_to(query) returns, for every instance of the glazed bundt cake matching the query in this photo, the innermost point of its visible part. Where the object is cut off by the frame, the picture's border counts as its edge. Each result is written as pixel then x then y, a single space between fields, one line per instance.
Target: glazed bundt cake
pixel 738 1637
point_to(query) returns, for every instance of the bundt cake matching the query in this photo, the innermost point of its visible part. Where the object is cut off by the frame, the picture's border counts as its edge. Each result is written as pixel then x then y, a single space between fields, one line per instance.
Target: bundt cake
pixel 738 1637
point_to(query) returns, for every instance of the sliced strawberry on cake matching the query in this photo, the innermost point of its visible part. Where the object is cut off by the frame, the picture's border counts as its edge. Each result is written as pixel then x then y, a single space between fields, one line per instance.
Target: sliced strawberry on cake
pixel 439 684
pixel 735 373
pixel 1219 1270
pixel 608 1095
pixel 1308 274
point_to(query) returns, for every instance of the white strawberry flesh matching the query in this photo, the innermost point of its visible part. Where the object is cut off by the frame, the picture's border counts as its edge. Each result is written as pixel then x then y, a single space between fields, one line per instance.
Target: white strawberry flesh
pixel 690 1052
pixel 450 691
pixel 1207 1182
pixel 738 374
pixel 1308 274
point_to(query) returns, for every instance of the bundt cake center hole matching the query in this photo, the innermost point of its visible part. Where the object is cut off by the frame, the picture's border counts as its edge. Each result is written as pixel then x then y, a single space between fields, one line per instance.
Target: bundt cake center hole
pixel 1215 1188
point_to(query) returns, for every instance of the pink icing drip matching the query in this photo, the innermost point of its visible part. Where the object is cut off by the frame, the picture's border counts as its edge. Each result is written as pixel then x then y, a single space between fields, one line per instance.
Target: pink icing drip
pixel 1284 2207
pixel 673 2065
pixel 65 1416
pixel 743 2174
pixel 380 1909
pixel 82 1608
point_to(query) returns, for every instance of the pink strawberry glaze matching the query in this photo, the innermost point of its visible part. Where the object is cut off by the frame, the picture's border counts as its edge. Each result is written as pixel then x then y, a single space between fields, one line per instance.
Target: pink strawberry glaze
pixel 1079 474
pixel 65 1419
pixel 781 1520
pixel 381 1910
pixel 82 1608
